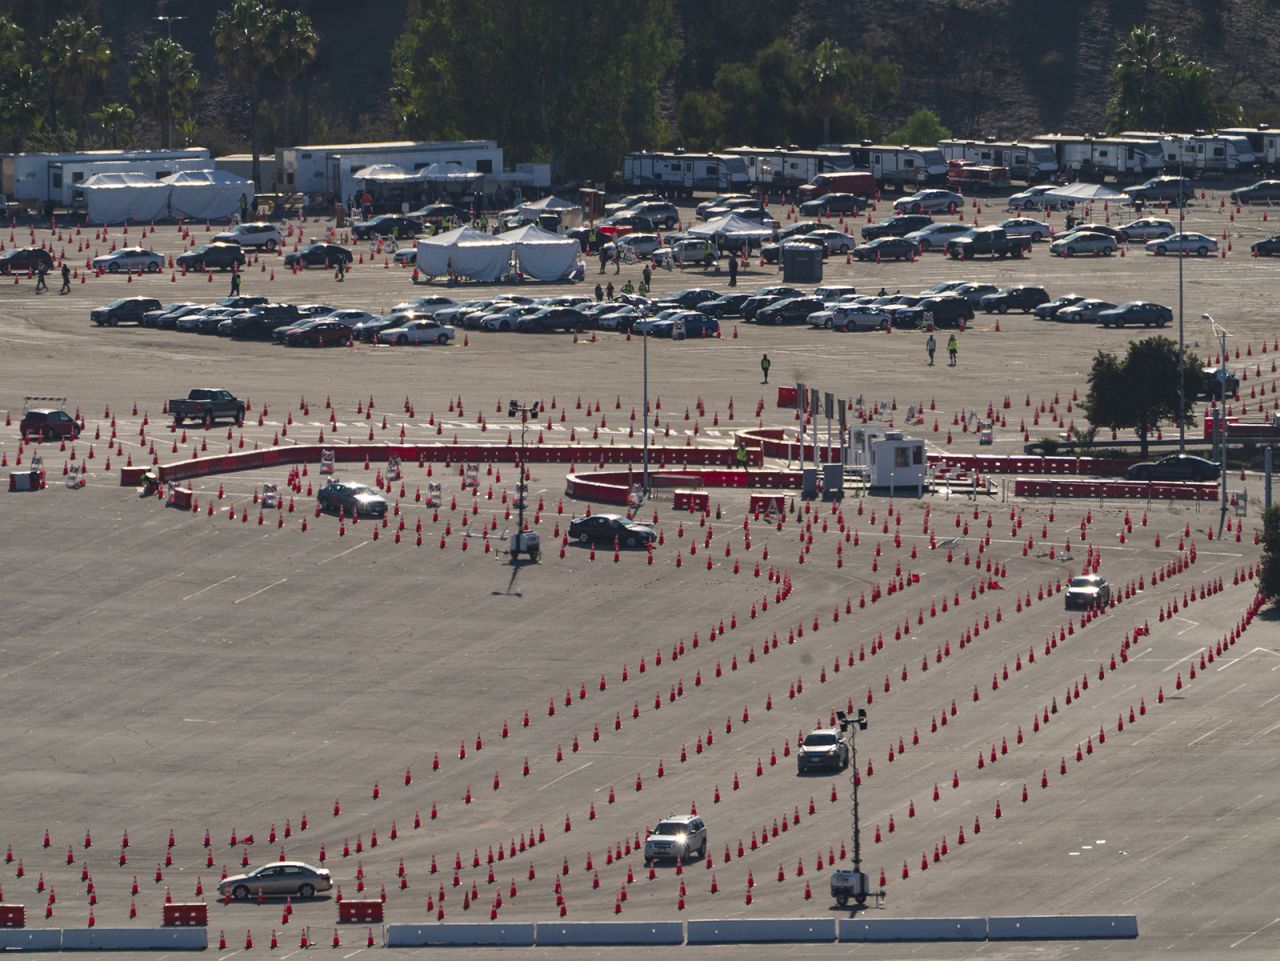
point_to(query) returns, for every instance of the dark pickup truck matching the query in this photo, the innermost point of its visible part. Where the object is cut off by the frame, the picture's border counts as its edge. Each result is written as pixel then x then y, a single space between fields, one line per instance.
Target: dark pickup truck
pixel 988 242
pixel 206 404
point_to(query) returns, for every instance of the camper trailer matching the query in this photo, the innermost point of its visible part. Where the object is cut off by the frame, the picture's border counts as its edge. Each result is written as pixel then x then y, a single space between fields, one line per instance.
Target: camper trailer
pixel 1101 157
pixel 1197 153
pixel 1263 139
pixel 788 167
pixel 683 173
pixel 51 180
pixel 898 165
pixel 330 168
pixel 1031 163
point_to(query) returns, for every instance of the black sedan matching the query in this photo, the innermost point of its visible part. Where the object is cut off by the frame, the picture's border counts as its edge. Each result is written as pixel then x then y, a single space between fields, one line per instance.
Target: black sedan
pixel 320 333
pixel 885 248
pixel 793 310
pixel 387 225
pixel 830 204
pixel 212 257
pixel 690 299
pixel 729 305
pixel 318 255
pixel 1050 310
pixel 1267 248
pixel 765 296
pixel 550 319
pixel 1136 312
pixel 351 499
pixel 24 259
pixel 611 529
pixel 1176 467
pixel 897 226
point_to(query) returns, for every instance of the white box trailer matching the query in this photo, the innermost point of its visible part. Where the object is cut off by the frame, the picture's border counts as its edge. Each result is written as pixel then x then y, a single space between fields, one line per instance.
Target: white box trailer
pixel 1029 162
pixel 1087 156
pixel 1265 141
pixel 38 179
pixel 788 167
pixel 1200 152
pixel 898 164
pixel 683 173
pixel 329 168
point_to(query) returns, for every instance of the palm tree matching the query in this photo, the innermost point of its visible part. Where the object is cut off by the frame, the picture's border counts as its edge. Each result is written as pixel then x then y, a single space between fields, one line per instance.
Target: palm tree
pixel 19 104
pixel 163 80
pixel 242 36
pixel 293 40
pixel 831 81
pixel 116 121
pixel 76 57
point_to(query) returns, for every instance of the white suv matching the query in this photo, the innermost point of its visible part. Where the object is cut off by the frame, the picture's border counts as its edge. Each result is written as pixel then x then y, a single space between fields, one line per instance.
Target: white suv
pixel 253 235
pixel 683 837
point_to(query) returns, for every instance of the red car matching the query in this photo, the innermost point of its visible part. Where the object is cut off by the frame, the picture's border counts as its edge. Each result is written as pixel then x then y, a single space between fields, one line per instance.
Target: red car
pixel 49 424
pixel 325 333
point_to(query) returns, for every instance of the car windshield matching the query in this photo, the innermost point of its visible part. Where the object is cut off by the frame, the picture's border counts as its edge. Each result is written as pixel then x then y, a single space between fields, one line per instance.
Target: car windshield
pixel 821 739
pixel 671 827
pixel 1082 582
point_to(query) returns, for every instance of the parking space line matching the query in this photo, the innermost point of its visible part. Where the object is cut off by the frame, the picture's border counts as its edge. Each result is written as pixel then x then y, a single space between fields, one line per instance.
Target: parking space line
pixel 582 767
pixel 1259 931
pixel 261 590
pixel 343 553
pixel 232 577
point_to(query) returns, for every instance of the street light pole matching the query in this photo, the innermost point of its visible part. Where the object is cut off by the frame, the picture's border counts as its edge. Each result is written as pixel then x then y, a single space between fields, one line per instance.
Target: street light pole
pixel 850 726
pixel 645 400
pixel 1182 351
pixel 514 407
pixel 1220 415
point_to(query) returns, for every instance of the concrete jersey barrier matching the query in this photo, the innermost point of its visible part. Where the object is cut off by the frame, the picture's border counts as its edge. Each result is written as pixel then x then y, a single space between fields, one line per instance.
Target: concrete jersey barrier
pixel 912 929
pixel 460 935
pixel 30 939
pixel 135 939
pixel 611 933
pixel 762 931
pixel 1066 927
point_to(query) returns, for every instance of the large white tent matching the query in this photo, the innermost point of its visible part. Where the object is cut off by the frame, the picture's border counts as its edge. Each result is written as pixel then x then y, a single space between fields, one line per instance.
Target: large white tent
pixel 541 254
pixel 385 174
pixel 536 208
pixel 1086 192
pixel 114 198
pixel 465 251
pixel 732 227
pixel 207 194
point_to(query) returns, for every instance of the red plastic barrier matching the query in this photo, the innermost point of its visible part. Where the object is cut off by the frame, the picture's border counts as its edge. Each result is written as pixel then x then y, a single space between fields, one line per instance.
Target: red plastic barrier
pixel 787 397
pixel 691 501
pixel 360 912
pixel 195 914
pixel 13 916
pixel 1131 490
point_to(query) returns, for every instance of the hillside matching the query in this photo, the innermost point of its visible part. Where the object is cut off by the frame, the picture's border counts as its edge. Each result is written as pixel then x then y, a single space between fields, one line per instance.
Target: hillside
pixel 988 67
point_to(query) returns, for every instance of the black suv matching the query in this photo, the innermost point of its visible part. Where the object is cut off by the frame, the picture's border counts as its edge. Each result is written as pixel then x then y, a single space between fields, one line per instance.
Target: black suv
pixel 25 258
pixel 125 310
pixel 948 310
pixel 1163 189
pixel 898 226
pixel 49 424
pixel 260 322
pixel 387 225
pixel 1023 298
pixel 219 256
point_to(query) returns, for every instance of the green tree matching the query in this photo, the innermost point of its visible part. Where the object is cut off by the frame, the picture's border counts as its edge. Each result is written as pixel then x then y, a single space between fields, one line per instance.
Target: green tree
pixel 19 87
pixel 116 122
pixel 294 44
pixel 76 57
pixel 831 82
pixel 1157 87
pixel 242 37
pixel 163 80
pixel 1141 391
pixel 700 120
pixel 922 127
pixel 1269 572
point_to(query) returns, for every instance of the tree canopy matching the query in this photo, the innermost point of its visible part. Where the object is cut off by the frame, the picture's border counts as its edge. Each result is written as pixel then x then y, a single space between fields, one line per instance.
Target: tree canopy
pixel 1141 391
pixel 163 80
pixel 1158 87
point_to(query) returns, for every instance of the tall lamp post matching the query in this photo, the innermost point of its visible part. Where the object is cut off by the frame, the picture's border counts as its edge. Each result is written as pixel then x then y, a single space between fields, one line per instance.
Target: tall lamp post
pixel 645 401
pixel 857 886
pixel 518 542
pixel 1182 351
pixel 1220 411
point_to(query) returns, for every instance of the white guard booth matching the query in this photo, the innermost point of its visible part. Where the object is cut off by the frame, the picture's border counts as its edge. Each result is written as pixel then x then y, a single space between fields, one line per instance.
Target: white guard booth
pixel 541 254
pixel 207 194
pixel 465 251
pixel 897 461
pixel 116 197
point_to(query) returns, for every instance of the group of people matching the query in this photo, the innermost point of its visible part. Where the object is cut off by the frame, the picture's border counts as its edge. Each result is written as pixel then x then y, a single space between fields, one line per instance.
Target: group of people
pixel 42 287
pixel 953 349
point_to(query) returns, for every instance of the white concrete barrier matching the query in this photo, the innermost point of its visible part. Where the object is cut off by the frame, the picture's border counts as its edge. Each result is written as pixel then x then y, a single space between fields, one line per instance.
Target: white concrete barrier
pixel 30 939
pixel 762 930
pixel 610 932
pixel 1065 927
pixel 912 929
pixel 135 939
pixel 464 935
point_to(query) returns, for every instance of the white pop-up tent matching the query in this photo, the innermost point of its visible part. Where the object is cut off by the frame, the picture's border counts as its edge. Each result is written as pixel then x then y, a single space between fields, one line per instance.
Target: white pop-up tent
pixel 465 251
pixel 207 194
pixel 385 174
pixel 732 227
pixel 1082 192
pixel 541 254
pixel 114 198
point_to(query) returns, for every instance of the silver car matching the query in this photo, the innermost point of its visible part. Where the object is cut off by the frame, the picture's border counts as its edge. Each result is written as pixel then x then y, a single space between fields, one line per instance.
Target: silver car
pixel 677 837
pixel 929 201
pixel 282 878
pixel 1084 242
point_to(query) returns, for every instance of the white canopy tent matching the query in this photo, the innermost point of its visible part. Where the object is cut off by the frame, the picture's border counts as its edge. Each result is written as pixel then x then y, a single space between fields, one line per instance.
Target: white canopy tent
pixel 536 208
pixel 733 227
pixel 114 198
pixel 467 252
pixel 207 194
pixel 1082 192
pixel 439 173
pixel 385 174
pixel 541 254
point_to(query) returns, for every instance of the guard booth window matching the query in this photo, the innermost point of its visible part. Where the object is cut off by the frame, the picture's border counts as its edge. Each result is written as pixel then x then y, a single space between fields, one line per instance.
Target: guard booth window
pixel 917 455
pixel 901 457
pixel 484 166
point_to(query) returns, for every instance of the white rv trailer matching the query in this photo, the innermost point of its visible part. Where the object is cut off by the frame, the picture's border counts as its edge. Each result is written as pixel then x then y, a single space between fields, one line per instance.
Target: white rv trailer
pixel 788 166
pixel 1199 152
pixel 1088 156
pixel 898 164
pixel 39 179
pixel 1028 162
pixel 683 173
pixel 1263 139
pixel 329 168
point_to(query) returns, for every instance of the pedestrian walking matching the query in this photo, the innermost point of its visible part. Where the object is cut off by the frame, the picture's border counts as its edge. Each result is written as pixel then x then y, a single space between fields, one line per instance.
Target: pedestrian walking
pixel 41 286
pixel 235 282
pixel 647 274
pixel 765 364
pixel 742 455
pixel 931 345
pixel 599 293
pixel 617 259
pixel 952 348
pixel 604 257
pixel 66 280
pixel 608 291
pixel 733 270
pixel 341 275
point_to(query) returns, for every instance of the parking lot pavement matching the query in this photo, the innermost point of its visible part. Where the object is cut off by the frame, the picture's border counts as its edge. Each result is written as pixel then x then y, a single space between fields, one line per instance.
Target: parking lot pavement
pixel 190 672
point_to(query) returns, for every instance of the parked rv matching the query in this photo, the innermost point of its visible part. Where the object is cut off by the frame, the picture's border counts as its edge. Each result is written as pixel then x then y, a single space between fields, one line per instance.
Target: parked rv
pixel 1028 162
pixel 683 173
pixel 1102 157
